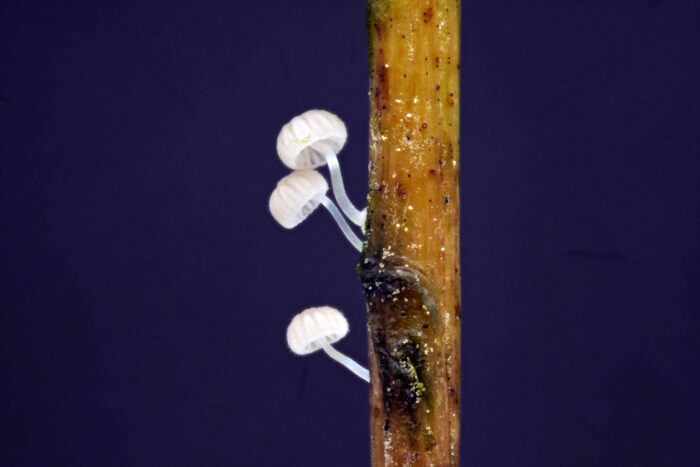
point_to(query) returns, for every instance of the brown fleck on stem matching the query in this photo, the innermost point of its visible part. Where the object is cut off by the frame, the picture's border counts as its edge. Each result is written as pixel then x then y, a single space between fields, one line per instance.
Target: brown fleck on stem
pixel 410 262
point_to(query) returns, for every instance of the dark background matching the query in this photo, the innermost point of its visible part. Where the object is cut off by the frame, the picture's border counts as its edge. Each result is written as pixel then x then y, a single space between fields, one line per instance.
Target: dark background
pixel 146 290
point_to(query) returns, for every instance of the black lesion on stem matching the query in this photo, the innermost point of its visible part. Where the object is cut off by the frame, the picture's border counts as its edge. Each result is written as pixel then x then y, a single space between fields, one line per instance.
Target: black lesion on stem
pixel 399 307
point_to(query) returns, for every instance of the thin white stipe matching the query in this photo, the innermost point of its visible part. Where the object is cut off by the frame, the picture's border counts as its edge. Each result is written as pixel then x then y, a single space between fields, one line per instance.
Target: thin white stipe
pixel 346 361
pixel 355 216
pixel 342 223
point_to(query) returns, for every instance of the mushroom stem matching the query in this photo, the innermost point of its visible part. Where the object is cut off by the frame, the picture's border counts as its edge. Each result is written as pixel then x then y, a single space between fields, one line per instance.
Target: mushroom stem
pixel 346 361
pixel 342 223
pixel 349 209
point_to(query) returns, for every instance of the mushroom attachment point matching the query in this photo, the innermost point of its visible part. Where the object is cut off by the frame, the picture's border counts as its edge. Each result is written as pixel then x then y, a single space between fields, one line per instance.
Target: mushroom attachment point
pixel 318 328
pixel 298 195
pixel 313 139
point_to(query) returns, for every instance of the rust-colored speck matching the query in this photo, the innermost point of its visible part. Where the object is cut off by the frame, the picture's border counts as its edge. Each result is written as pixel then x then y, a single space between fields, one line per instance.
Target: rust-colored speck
pixel 401 191
pixel 381 81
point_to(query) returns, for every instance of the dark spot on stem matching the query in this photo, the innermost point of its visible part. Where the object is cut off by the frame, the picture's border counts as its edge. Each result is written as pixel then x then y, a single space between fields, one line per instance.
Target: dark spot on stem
pixel 401 191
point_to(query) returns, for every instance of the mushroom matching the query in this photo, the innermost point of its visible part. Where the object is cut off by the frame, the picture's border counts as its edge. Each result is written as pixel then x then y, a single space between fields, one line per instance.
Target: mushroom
pixel 298 195
pixel 318 328
pixel 313 139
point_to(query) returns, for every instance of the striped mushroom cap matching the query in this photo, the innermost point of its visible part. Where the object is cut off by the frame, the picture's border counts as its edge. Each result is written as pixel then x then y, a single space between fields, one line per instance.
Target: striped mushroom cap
pixel 314 326
pixel 304 141
pixel 297 195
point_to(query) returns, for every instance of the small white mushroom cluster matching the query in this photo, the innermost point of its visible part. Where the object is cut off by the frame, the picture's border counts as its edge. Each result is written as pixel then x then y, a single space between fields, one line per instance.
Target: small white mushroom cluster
pixel 307 142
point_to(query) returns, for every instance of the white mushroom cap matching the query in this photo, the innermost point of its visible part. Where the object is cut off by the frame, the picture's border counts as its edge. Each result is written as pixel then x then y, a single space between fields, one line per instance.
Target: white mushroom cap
pixel 297 195
pixel 303 141
pixel 314 326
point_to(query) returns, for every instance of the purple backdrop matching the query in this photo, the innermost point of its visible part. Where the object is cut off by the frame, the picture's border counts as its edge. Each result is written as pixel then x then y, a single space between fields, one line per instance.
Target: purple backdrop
pixel 146 289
